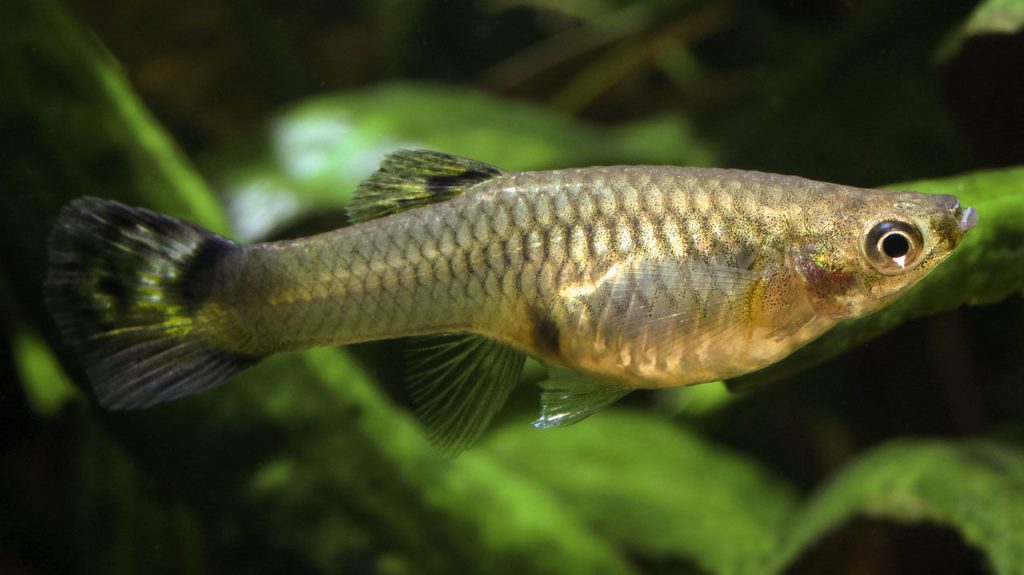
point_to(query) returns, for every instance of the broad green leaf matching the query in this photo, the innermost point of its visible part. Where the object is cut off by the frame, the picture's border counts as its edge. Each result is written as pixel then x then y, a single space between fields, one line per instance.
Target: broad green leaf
pixel 656 488
pixel 312 157
pixel 975 487
pixel 996 17
pixel 990 17
pixel 67 99
pixel 695 400
pixel 46 386
pixel 987 267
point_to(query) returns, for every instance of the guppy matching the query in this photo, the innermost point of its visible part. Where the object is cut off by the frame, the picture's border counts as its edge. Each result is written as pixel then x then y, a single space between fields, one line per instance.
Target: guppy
pixel 629 276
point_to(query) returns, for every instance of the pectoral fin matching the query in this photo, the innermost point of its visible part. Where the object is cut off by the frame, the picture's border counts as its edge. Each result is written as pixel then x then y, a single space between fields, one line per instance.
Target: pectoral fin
pixel 458 382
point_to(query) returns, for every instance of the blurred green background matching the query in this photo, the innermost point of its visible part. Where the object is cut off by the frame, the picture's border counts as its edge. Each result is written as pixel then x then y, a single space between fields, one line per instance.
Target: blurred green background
pixel 893 445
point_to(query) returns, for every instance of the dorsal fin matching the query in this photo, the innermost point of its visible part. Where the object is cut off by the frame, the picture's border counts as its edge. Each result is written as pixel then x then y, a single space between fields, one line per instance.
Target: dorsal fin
pixel 409 179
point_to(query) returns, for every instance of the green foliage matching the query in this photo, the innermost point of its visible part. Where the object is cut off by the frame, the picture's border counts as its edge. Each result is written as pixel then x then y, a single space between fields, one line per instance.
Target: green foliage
pixel 657 489
pixel 63 91
pixel 996 17
pixel 305 464
pixel 46 387
pixel 976 487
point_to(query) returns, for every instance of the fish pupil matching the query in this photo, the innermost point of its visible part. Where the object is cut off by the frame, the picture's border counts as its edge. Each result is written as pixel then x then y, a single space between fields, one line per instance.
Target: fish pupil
pixel 895 245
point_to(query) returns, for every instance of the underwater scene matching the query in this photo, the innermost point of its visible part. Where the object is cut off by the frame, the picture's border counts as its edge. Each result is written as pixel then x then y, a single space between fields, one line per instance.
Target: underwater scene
pixel 512 286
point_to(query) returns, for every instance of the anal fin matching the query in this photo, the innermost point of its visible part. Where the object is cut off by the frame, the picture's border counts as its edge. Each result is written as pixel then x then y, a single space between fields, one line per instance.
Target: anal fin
pixel 457 383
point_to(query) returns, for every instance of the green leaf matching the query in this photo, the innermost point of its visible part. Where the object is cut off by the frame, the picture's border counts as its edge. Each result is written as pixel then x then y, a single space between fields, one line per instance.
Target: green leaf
pixel 67 99
pixel 990 17
pixel 656 488
pixel 46 386
pixel 975 487
pixel 312 157
pixel 987 267
pixel 996 17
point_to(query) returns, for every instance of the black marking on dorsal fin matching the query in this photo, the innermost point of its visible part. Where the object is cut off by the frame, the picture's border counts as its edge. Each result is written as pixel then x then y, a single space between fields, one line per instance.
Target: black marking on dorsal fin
pixel 409 179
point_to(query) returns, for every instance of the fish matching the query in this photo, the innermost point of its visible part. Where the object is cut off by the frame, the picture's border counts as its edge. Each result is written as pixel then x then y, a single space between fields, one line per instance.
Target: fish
pixel 617 277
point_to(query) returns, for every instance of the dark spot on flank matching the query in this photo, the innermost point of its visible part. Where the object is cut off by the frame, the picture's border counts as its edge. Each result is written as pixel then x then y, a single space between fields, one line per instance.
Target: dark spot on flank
pixel 199 273
pixel 546 334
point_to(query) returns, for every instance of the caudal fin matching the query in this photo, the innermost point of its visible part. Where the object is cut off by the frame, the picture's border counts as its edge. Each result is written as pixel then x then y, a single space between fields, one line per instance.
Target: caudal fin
pixel 125 286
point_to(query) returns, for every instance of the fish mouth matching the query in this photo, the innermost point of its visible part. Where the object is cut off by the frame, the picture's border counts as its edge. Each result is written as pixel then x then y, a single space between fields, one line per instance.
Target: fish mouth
pixel 968 219
pixel 954 224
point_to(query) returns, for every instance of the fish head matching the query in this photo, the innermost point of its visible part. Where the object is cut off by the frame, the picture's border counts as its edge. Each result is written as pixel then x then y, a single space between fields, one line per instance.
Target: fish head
pixel 877 247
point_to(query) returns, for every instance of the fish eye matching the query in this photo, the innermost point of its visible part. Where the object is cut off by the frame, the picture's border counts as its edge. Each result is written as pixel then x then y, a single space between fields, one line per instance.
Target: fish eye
pixel 893 246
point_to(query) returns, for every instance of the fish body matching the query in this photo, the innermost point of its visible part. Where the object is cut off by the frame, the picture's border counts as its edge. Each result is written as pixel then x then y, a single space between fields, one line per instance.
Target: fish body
pixel 639 276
